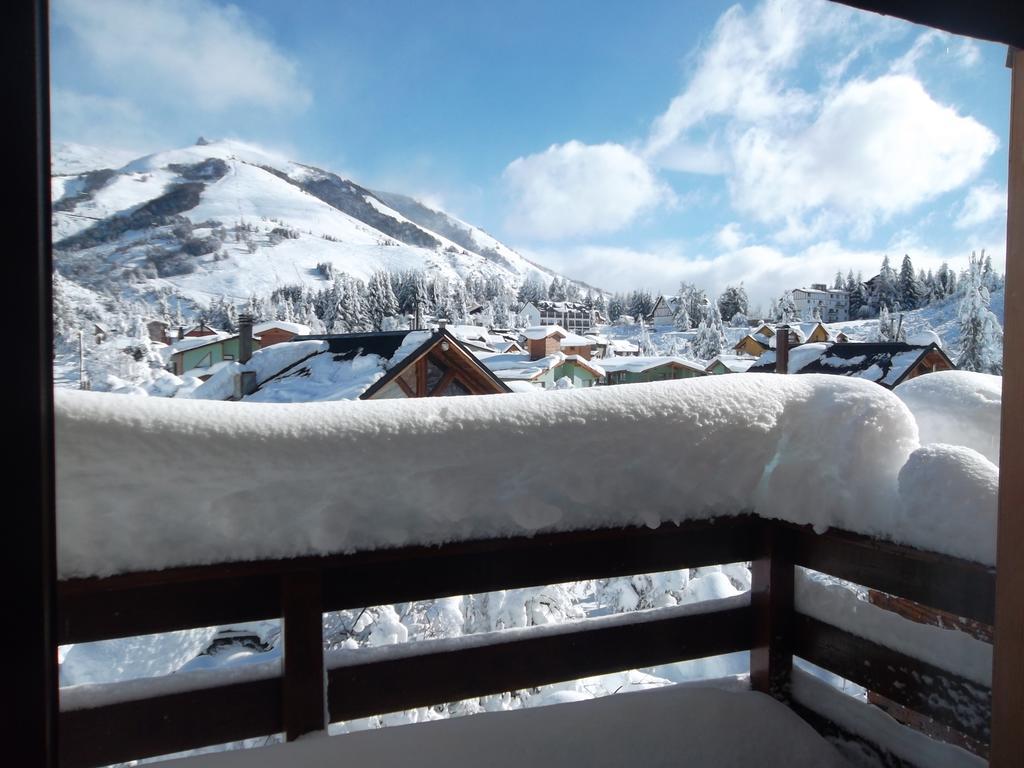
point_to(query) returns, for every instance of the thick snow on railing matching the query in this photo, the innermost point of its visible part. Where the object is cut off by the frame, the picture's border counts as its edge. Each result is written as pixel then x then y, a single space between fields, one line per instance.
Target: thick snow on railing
pixel 151 483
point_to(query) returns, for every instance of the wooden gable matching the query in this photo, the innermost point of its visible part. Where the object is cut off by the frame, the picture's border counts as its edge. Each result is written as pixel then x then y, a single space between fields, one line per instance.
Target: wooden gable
pixel 440 367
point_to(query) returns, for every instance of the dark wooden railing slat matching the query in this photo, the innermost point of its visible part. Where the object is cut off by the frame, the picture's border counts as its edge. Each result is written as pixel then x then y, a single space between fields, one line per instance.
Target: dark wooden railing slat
pixel 303 673
pixel 957 586
pixel 170 723
pixel 771 598
pixel 941 695
pixel 390 685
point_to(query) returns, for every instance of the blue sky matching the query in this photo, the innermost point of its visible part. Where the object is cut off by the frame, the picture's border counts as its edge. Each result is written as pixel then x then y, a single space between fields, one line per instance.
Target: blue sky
pixel 630 145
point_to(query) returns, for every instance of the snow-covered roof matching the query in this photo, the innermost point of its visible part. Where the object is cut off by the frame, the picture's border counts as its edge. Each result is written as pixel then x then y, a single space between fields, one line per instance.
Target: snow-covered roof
pixel 735 363
pixel 641 364
pixel 575 340
pixel 194 342
pixel 884 363
pixel 296 328
pixel 623 345
pixel 538 332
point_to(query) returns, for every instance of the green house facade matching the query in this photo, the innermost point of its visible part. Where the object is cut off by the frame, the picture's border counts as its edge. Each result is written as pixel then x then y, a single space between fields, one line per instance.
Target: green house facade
pixel 207 355
pixel 639 370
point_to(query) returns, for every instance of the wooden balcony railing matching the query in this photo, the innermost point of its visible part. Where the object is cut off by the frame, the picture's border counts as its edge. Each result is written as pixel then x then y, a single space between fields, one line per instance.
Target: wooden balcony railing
pixel 432 672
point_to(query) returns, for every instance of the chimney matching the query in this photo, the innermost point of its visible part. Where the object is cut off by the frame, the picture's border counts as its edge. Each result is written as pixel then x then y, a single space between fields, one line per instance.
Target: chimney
pixel 782 349
pixel 181 332
pixel 244 338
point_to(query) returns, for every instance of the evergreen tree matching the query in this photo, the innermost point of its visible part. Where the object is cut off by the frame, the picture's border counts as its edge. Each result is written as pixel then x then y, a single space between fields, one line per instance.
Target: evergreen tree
pixel 380 300
pixel 681 319
pixel 733 301
pixel 837 284
pixel 885 290
pixel 786 311
pixel 981 336
pixel 710 338
pixel 616 307
pixel 532 290
pixel 908 290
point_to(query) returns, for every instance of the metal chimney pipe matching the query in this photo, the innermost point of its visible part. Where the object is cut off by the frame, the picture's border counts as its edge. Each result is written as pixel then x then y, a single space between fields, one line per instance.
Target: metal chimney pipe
pixel 782 349
pixel 244 338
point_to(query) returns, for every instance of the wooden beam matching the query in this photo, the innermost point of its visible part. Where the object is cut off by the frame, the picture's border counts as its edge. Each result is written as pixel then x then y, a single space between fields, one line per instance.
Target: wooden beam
pixel 995 20
pixel 179 598
pixel 303 678
pixel 1008 674
pixel 405 387
pixel 446 379
pixel 771 598
pixel 29 563
pixel 942 696
pixel 421 377
pixel 391 685
pixel 951 584
pixel 117 733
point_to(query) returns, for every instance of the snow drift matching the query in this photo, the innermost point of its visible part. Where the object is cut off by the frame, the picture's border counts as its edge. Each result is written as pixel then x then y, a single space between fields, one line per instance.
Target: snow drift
pixel 957 407
pixel 146 483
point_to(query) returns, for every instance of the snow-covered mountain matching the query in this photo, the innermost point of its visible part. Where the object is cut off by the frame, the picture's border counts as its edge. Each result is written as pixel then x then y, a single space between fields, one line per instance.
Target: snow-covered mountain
pixel 230 219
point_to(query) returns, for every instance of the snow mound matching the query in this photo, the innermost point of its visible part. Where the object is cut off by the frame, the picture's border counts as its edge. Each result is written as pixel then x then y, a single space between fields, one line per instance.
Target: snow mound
pixel 957 407
pixel 949 495
pixel 148 483
pixel 924 337
pixel 687 725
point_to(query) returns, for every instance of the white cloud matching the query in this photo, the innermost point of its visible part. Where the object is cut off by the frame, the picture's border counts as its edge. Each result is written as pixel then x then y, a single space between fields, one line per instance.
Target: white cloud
pixel 191 53
pixel 99 120
pixel 739 73
pixel 875 148
pixel 730 236
pixel 572 189
pixel 982 204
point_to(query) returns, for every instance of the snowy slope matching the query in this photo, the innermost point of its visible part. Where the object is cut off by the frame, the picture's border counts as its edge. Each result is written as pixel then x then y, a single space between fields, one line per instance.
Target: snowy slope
pixel 120 225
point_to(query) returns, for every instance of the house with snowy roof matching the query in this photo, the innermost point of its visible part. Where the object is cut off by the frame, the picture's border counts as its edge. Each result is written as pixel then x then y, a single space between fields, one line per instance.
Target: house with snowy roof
pixel 664 312
pixel 203 354
pixel 752 345
pixel 549 371
pixel 886 363
pixel 640 370
pixel 729 364
pixel 380 365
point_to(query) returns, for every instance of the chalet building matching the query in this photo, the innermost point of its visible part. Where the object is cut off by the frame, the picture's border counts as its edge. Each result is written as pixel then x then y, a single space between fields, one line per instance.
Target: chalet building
pixel 640 370
pixel 752 345
pixel 378 366
pixel 889 364
pixel 833 306
pixel 198 330
pixel 729 364
pixel 570 315
pixel 277 332
pixel 550 371
pixel 543 340
pixel 202 356
pixel 664 312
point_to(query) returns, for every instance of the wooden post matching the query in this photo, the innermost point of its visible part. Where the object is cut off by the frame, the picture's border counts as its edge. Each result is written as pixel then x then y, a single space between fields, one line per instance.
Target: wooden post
pixel 305 694
pixel 771 597
pixel 1008 672
pixel 29 564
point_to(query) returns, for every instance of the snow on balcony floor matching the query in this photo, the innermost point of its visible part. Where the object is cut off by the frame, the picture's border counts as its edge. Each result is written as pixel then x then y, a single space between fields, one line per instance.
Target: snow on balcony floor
pixel 146 484
pixel 699 727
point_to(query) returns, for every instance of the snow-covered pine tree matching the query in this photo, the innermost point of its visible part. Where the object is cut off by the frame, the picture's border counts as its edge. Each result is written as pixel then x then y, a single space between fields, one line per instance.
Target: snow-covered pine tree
pixel 886 290
pixel 786 311
pixel 909 290
pixel 733 300
pixel 380 300
pixel 710 339
pixel 681 319
pixel 981 335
